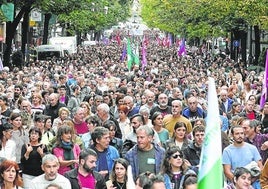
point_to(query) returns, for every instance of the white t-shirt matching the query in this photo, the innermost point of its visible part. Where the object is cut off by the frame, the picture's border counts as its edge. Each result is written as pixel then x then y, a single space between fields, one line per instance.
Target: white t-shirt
pixel 41 183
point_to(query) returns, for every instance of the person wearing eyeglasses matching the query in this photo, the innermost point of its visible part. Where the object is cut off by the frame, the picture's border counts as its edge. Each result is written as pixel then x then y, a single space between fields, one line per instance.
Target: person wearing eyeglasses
pixel 175 168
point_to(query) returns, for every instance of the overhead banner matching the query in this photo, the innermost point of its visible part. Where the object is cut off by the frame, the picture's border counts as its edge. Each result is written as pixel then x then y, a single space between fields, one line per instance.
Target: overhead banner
pixel 8 11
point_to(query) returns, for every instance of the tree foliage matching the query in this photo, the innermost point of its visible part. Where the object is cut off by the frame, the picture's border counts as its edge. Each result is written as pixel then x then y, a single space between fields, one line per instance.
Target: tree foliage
pixel 200 18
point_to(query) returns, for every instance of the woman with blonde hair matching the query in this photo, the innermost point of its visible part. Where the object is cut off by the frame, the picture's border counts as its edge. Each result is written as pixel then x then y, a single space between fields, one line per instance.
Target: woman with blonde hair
pixel 87 109
pixel 37 105
pixel 64 113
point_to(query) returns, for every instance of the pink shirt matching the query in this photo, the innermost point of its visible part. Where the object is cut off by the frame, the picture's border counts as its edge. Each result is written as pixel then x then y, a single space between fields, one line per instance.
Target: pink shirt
pixel 87 182
pixel 81 128
pixel 59 153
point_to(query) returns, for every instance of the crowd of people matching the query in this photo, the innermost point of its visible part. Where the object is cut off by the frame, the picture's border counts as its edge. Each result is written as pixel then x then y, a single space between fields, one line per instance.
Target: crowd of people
pixel 87 121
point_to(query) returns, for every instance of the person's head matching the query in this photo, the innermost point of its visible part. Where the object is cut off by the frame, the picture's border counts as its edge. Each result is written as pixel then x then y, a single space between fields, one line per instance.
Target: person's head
pixel 157 182
pixel 238 134
pixel 64 113
pixel 150 96
pixel 145 136
pixel 176 107
pixel 180 130
pixel 128 101
pixel 249 106
pixel 223 95
pixel 199 122
pixel 173 160
pixel 265 108
pixel 143 180
pixel 50 166
pixel 119 170
pixel 15 120
pixel 3 100
pixel 53 99
pixel 192 103
pixel 103 111
pixel 123 111
pixel 78 115
pixel 39 121
pixel 110 125
pixel 86 107
pixel 9 173
pixel 64 134
pixel 101 138
pixel 136 121
pixel 199 135
pixel 36 98
pixel 47 122
pixel 87 160
pixel 242 178
pixel 157 119
pixel 162 100
pixel 92 122
pixel 145 112
pixel 190 182
pixel 53 186
pixel 249 128
pixel 6 130
pixel 35 134
pixel 176 93
pixel 25 106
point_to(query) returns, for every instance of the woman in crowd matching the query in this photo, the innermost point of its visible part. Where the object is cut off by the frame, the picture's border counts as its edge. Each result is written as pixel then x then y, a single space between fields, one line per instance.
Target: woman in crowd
pixel 19 135
pixel 179 137
pixel 114 141
pixel 31 156
pixel 157 121
pixel 37 106
pixel 7 145
pixel 242 179
pixel 235 110
pixel 174 168
pixel 87 109
pixel 119 173
pixel 92 122
pixel 190 182
pixel 124 122
pixel 47 136
pixel 64 113
pixel 9 175
pixel 65 149
pixel 119 100
pixel 48 125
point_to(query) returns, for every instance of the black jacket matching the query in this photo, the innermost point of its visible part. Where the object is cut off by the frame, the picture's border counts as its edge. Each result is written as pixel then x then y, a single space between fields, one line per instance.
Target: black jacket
pixel 72 175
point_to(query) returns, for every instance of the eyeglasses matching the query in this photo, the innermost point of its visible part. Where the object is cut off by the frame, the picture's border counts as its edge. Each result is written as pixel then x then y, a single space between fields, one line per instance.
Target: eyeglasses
pixel 175 156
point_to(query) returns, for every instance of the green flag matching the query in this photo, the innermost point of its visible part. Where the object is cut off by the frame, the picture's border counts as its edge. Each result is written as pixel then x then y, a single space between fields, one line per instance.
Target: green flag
pixel 8 11
pixel 129 55
pixel 210 168
pixel 136 55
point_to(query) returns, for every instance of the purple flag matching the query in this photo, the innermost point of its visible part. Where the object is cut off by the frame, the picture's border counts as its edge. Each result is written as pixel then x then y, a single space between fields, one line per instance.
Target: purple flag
pixel 264 84
pixel 182 48
pixel 124 53
pixel 144 60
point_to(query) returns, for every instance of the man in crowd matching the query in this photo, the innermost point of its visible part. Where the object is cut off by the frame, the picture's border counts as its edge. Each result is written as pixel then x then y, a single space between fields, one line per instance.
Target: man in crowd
pixel 50 166
pixel 84 176
pixel 80 124
pixel 193 151
pixel 145 155
pixel 162 105
pixel 52 109
pixel 171 119
pixel 239 154
pixel 106 153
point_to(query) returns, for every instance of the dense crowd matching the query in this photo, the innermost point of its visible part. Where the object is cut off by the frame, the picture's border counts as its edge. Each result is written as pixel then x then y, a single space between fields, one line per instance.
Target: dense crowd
pixel 80 121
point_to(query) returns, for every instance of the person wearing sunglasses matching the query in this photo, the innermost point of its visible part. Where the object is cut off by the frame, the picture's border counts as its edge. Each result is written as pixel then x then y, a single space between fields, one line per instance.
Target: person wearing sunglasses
pixel 174 168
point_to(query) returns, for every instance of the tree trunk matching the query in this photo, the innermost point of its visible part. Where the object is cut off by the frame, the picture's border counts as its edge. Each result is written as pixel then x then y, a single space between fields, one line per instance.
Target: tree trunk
pixel 25 36
pixel 257 44
pixel 46 24
pixel 10 33
pixel 243 37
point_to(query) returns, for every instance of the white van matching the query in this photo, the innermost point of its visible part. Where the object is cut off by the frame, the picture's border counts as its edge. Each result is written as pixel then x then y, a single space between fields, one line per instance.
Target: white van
pixel 47 52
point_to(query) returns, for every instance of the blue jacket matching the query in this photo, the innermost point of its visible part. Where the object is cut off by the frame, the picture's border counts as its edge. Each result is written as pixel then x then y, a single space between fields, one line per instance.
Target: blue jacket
pixel 187 113
pixel 132 157
pixel 112 154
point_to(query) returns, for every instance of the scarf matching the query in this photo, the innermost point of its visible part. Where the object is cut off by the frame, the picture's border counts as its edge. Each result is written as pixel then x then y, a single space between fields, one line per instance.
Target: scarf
pixel 67 151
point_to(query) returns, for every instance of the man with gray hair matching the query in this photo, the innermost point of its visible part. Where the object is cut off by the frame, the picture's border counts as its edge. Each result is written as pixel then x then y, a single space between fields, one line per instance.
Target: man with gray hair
pixel 145 155
pixel 50 166
pixel 80 124
pixel 103 112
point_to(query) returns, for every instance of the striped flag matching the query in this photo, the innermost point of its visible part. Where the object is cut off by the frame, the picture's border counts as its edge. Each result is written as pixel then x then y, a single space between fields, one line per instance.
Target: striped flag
pixel 264 84
pixel 124 53
pixel 210 168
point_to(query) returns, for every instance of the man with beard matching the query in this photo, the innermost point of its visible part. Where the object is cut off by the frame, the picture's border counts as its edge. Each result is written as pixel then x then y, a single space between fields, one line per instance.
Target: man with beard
pixel 84 176
pixel 162 106
pixel 239 154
